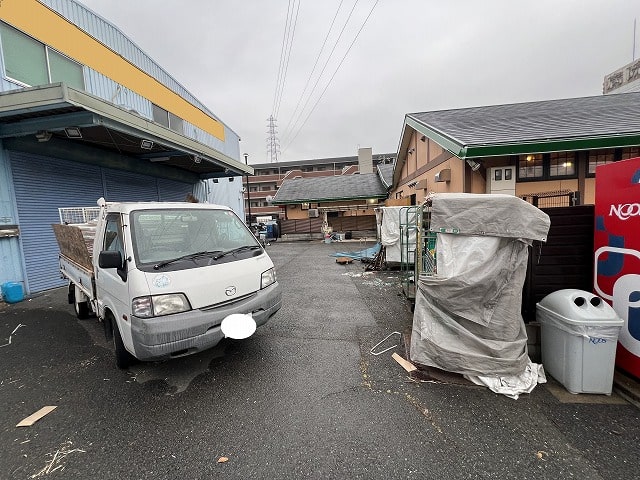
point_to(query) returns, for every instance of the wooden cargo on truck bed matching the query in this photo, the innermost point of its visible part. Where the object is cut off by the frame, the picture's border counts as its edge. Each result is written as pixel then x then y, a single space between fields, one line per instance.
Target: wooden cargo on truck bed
pixel 75 245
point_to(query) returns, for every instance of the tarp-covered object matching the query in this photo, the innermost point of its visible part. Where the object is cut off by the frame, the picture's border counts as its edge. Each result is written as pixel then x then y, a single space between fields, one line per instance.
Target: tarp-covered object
pixel 492 215
pixel 390 233
pixel 467 317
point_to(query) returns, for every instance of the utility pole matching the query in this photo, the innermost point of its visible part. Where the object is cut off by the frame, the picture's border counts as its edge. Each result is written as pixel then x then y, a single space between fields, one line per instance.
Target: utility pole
pixel 273 143
pixel 246 162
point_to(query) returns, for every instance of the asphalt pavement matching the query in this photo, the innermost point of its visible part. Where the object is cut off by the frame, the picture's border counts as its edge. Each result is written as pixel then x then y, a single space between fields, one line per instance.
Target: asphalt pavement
pixel 302 398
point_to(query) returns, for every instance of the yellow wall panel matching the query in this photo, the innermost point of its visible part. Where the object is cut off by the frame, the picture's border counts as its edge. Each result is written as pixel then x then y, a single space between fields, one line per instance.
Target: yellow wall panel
pixel 50 28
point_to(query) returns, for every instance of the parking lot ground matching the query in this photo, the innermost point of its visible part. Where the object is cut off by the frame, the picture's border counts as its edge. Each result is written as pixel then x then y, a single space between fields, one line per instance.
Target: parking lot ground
pixel 302 398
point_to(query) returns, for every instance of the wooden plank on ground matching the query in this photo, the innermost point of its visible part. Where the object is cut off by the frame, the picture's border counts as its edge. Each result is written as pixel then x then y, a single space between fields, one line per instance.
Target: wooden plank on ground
pixel 407 365
pixel 34 417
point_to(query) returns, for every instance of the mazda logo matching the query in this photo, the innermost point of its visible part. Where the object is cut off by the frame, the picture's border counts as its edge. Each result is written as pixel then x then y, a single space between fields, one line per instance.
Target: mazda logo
pixel 230 291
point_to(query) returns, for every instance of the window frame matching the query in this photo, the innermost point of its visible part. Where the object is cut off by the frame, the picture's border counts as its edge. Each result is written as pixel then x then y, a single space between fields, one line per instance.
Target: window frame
pixel 47 67
pixel 546 169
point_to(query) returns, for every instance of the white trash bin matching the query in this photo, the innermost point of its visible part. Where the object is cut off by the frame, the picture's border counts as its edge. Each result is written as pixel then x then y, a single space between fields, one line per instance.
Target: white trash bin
pixel 579 335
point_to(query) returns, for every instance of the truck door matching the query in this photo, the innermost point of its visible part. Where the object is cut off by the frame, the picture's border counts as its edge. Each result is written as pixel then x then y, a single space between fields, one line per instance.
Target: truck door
pixel 111 283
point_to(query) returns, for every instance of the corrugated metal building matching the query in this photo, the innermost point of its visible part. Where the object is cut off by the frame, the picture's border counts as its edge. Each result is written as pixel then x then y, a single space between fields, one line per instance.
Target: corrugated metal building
pixel 84 114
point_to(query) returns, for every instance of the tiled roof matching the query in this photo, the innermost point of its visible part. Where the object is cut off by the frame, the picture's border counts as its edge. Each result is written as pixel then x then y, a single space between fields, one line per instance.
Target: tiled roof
pixel 339 187
pixel 386 173
pixel 567 120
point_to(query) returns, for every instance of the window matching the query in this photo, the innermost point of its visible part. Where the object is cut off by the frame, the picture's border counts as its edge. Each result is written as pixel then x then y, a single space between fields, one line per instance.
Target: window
pixel 32 63
pixel 166 234
pixel 64 69
pixel 167 119
pixel 113 236
pixel 497 174
pixel 530 166
pixel 508 172
pixel 547 166
pixel 175 123
pixel 160 115
pixel 600 157
pixel 630 152
pixel 562 164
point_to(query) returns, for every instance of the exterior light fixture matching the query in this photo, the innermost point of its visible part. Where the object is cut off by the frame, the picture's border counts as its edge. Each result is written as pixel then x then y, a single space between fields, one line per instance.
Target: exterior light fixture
pixel 73 132
pixel 146 144
pixel 474 165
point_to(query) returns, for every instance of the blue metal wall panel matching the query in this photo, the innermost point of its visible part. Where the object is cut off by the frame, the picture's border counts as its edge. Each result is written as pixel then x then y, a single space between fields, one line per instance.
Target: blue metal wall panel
pixel 172 191
pixel 41 186
pixel 10 256
pixel 110 91
pixel 129 187
pixel 7 212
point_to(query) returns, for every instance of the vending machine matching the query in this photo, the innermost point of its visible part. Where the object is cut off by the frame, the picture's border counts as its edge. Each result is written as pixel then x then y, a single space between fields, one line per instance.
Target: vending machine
pixel 617 253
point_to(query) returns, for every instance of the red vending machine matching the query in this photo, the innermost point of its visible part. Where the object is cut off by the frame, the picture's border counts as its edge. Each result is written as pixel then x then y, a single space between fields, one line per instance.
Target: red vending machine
pixel 617 253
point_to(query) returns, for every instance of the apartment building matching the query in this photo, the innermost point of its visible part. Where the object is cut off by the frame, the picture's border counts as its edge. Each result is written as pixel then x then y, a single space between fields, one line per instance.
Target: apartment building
pixel 268 177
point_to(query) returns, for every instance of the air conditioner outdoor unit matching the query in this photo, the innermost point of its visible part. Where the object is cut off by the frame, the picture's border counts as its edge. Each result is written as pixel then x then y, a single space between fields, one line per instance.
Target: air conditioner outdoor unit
pixel 313 213
pixel 443 175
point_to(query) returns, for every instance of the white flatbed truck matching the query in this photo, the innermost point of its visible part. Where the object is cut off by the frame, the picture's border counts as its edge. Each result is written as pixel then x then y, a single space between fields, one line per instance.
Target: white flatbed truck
pixel 163 276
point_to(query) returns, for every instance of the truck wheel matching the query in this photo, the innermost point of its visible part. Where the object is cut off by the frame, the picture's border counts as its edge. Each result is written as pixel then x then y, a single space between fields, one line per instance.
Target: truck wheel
pixel 123 358
pixel 81 308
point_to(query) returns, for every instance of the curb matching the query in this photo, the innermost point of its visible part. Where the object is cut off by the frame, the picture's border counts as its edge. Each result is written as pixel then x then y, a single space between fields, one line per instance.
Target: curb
pixel 627 387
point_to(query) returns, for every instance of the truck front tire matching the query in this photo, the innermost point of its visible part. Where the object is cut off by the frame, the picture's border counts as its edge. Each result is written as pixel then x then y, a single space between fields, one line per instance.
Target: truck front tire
pixel 123 358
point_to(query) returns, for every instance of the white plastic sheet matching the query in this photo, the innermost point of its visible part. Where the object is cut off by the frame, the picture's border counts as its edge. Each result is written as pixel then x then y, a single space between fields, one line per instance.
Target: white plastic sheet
pixel 467 318
pixel 390 232
pixel 515 385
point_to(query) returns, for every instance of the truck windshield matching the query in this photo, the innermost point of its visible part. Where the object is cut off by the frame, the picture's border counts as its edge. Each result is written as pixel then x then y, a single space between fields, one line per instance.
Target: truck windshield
pixel 165 235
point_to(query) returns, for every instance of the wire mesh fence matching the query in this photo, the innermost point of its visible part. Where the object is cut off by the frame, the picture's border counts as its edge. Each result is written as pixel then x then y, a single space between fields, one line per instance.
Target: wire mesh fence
pixel 73 215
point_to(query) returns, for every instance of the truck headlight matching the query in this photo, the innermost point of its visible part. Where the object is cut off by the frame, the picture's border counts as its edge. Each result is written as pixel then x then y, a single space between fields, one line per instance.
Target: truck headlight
pixel 158 305
pixel 268 278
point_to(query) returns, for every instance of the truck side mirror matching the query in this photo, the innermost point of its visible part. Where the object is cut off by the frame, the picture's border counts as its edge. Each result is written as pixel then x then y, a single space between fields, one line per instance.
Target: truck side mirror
pixel 109 259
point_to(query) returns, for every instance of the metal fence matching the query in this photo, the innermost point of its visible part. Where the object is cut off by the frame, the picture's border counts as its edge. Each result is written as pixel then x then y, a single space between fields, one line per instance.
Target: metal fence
pixel 559 198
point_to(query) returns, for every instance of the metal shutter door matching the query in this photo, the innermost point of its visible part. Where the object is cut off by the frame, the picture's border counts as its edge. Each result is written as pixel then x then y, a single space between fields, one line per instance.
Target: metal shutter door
pixel 172 191
pixel 129 187
pixel 41 186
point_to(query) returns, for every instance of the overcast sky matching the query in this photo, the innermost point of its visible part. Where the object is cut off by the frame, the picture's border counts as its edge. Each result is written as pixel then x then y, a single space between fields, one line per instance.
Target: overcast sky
pixel 410 56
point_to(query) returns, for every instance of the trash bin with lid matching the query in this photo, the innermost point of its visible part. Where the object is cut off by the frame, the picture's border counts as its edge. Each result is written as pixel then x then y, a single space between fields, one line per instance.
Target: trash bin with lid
pixel 579 334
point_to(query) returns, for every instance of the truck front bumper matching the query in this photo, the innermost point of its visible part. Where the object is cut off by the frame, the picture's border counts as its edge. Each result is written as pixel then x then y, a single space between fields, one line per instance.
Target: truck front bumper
pixel 190 332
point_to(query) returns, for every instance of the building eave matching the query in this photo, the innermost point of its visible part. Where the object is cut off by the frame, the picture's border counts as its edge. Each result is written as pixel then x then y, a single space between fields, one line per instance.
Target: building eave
pixel 26 111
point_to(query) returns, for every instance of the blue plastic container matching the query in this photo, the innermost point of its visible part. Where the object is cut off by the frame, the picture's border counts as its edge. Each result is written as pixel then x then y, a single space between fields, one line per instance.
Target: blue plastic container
pixel 12 292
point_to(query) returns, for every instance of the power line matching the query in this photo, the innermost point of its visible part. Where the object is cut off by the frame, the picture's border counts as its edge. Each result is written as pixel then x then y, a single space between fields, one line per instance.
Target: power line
pixel 304 90
pixel 332 76
pixel 285 54
pixel 323 69
pixel 282 50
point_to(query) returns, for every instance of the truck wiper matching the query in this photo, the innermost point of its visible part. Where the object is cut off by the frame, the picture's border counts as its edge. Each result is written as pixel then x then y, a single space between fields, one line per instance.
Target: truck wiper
pixel 190 256
pixel 239 249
